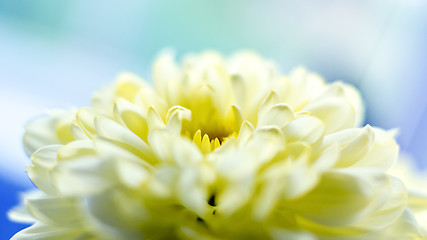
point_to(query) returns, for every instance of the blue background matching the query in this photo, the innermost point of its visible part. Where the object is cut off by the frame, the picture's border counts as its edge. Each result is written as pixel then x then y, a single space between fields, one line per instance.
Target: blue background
pixel 54 54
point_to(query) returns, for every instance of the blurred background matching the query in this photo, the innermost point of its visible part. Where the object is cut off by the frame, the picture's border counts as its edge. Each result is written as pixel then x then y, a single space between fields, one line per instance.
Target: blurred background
pixel 54 54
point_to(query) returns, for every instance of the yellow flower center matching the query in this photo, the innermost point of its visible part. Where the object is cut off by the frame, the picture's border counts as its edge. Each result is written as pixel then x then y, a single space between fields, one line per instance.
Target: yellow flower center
pixel 209 126
pixel 213 119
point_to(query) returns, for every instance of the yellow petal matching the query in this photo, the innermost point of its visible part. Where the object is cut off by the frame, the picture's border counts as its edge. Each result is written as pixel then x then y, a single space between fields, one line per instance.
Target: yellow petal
pixel 112 130
pixel 85 118
pixel 154 120
pixel 175 117
pixel 132 117
pixel 205 144
pixel 128 85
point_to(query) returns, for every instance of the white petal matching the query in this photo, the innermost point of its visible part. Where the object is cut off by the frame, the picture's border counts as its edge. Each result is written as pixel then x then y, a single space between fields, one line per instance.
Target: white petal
pixel 406 227
pixel 107 148
pixel 239 90
pixel 165 70
pixel 192 194
pixel 340 198
pixel 120 215
pixel 131 173
pixel 342 90
pixel 40 231
pixel 235 195
pixel 76 131
pixel 303 87
pixel 154 120
pixel 76 148
pixel 175 117
pixel 387 209
pixel 20 213
pixel 45 160
pixel 85 118
pixel 357 149
pixel 170 148
pixel 112 130
pixel 237 117
pixel 281 234
pixel 269 101
pixel 44 131
pixel 146 97
pixel 132 117
pixel 103 99
pixel 84 176
pixel 308 129
pixel 245 132
pixel 286 179
pixel 327 158
pixel 57 211
pixel 128 85
pixel 353 96
pixel 265 143
pixel 279 115
pixel 384 152
pixel 336 113
pixel 341 138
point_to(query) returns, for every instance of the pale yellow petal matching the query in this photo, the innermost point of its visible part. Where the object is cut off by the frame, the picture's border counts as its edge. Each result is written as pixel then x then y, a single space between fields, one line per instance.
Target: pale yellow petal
pixel 128 85
pixel 45 160
pixel 336 113
pixel 112 130
pixel 173 149
pixel 41 231
pixel 357 149
pixel 76 149
pixel 384 152
pixel 279 115
pixel 269 101
pixel 84 176
pixel 307 129
pixel 132 117
pixel 85 118
pixel 352 193
pixel 165 70
pixel 47 130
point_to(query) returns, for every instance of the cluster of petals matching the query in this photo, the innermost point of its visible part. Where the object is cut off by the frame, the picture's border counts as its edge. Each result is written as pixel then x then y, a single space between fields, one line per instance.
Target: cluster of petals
pixel 216 148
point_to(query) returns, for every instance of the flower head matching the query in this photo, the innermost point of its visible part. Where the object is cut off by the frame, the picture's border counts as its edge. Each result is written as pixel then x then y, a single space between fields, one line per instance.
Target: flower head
pixel 216 149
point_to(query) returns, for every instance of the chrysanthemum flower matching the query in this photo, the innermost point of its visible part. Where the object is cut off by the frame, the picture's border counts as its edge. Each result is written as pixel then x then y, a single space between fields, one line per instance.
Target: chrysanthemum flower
pixel 216 149
pixel 416 182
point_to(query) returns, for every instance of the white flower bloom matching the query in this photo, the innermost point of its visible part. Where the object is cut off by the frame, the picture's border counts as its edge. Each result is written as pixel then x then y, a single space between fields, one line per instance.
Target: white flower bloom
pixel 217 149
pixel 416 181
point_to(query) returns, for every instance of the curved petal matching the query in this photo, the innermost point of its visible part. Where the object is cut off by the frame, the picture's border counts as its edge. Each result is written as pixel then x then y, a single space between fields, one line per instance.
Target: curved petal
pixel 41 231
pixel 51 129
pixel 336 113
pixel 340 198
pixel 45 160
